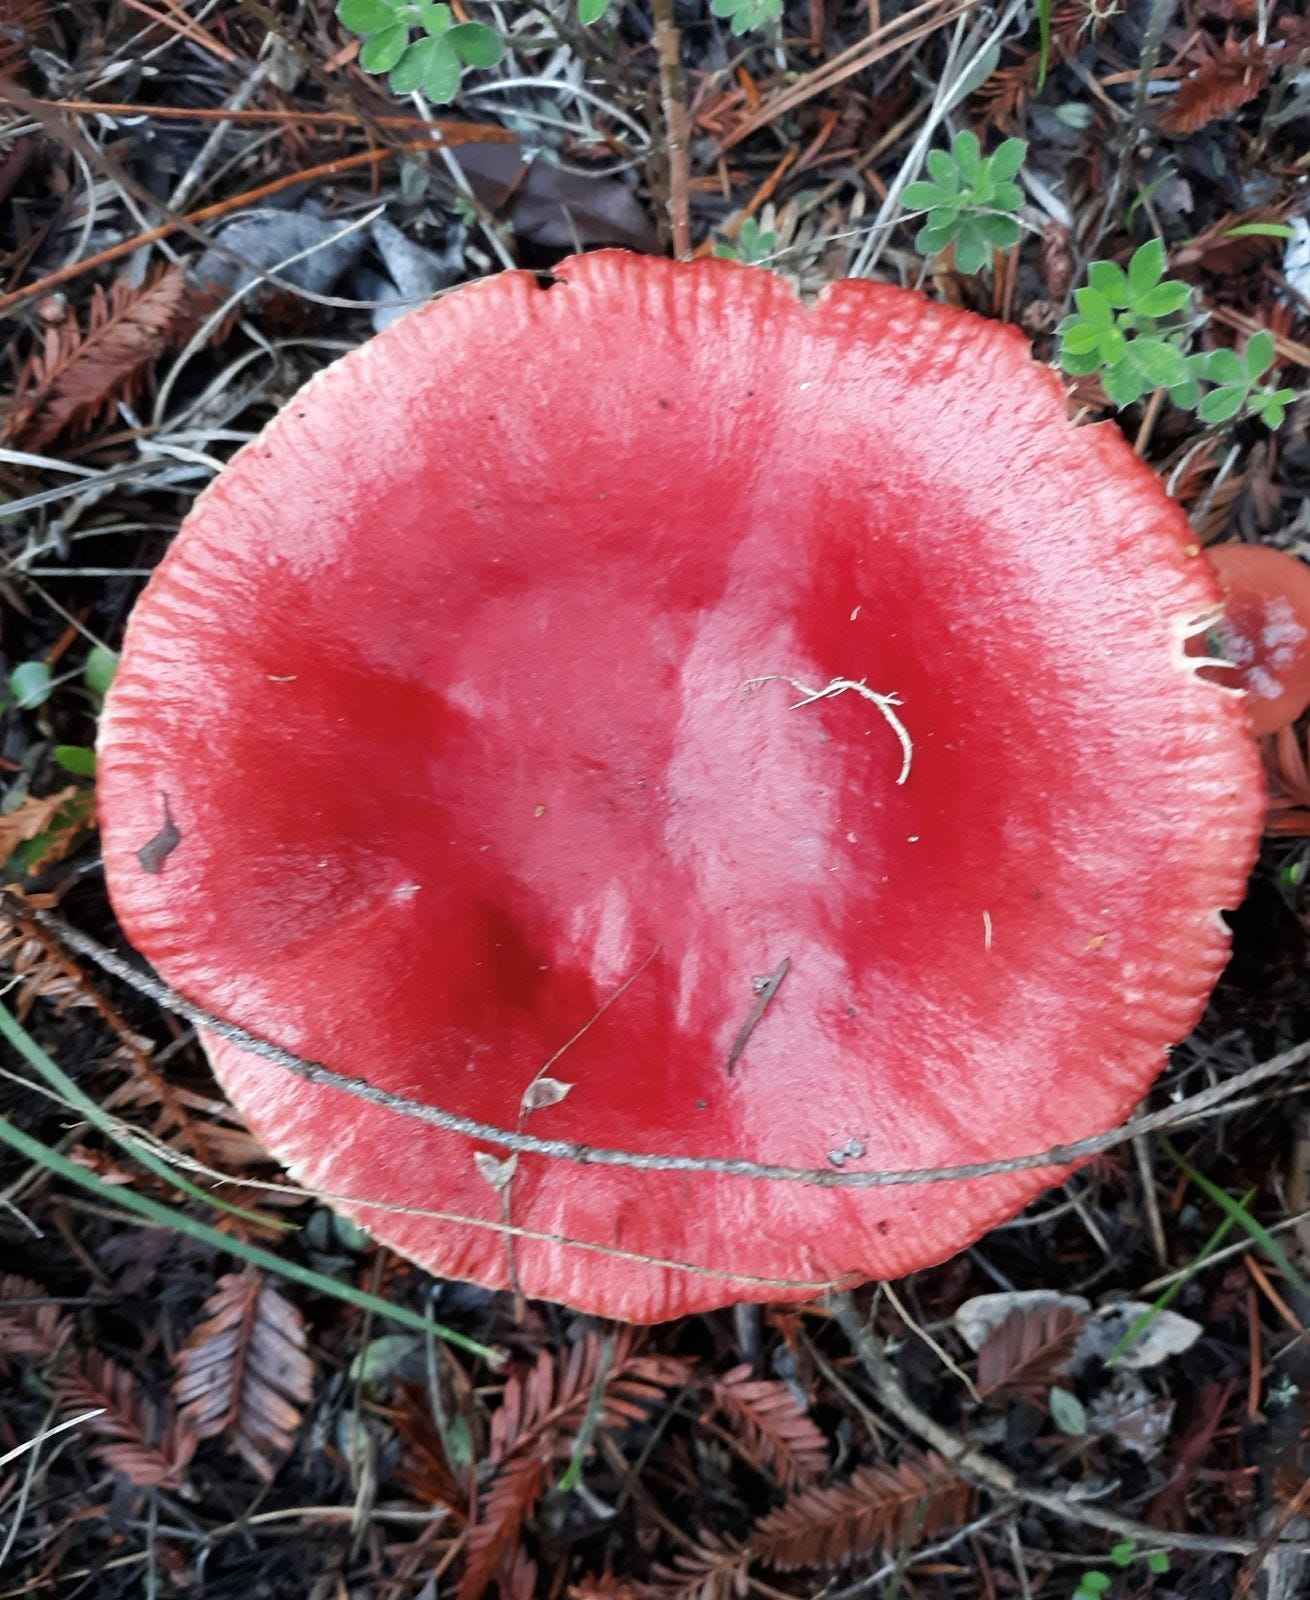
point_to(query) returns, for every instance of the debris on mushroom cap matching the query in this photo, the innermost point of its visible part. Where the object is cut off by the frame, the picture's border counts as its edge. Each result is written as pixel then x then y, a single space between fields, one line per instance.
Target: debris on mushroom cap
pixel 1264 633
pixel 525 704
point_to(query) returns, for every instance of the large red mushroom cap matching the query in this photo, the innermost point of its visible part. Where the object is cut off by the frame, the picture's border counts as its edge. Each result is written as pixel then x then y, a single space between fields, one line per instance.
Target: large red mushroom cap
pixel 768 730
pixel 1264 633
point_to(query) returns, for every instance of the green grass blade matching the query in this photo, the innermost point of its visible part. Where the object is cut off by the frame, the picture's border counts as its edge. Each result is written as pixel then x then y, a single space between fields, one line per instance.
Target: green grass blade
pixel 161 1216
pixel 1044 42
pixel 68 1091
pixel 1161 1303
pixel 1257 1231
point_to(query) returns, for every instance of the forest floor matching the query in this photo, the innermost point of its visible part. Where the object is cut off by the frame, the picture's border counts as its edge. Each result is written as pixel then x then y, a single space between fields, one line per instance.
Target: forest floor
pixel 201 204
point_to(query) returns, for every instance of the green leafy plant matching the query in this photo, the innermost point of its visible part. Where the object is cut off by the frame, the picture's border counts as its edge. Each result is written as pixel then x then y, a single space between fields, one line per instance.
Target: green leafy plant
pixel 752 244
pixel 743 15
pixel 29 685
pixel 435 61
pixel 969 200
pixel 98 670
pixel 1238 389
pixel 1095 1583
pixel 590 11
pixel 1122 328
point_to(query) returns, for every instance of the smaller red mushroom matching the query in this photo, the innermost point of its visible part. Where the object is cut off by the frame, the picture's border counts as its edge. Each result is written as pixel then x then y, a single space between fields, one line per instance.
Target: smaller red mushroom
pixel 1263 636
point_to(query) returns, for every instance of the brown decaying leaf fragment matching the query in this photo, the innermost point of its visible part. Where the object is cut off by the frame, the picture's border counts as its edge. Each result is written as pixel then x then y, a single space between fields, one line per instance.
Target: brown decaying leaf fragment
pixel 244 1372
pixel 151 1452
pixel 777 1432
pixel 81 372
pixel 1028 1351
pixel 881 1509
pixel 1231 78
pixel 41 814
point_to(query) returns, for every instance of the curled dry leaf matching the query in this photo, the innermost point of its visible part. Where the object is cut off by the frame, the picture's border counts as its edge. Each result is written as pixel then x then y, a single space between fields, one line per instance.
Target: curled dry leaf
pixel 244 1372
pixel 80 372
pixel 1229 79
pixel 881 1508
pixel 1028 1351
pixel 774 1427
pixel 543 1092
pixel 150 1448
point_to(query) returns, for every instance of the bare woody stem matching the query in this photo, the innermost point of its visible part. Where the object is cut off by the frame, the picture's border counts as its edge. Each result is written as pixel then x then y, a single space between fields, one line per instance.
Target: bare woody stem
pixel 668 49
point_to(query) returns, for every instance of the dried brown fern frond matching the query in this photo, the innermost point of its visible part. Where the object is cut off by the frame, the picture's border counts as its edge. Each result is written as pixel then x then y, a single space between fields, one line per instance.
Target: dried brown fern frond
pixel 1226 81
pixel 424 1468
pixel 881 1509
pixel 774 1427
pixel 80 372
pixel 552 1397
pixel 30 1325
pixel 537 1423
pixel 150 1450
pixel 1027 1352
pixel 493 1539
pixel 716 1570
pixel 244 1372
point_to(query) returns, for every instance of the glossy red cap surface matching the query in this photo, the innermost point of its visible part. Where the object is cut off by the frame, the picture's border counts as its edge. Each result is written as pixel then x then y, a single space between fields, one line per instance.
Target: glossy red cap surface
pixel 1265 631
pixel 472 689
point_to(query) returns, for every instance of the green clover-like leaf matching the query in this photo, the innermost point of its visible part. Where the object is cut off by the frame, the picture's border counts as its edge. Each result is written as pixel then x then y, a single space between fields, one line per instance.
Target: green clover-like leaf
pixel 407 74
pixel 1110 281
pixel 381 51
pixel 1158 1561
pixel 1123 383
pixel 590 11
pixel 1260 351
pixel 968 154
pixel 1222 405
pixel 972 252
pixel 924 196
pixel 744 15
pixel 476 45
pixel 1164 300
pixel 435 17
pixel 1007 158
pixel 1094 307
pixel 1079 338
pixel 944 171
pixel 30 683
pixel 1145 269
pixel 365 16
pixel 1225 366
pixel 1162 364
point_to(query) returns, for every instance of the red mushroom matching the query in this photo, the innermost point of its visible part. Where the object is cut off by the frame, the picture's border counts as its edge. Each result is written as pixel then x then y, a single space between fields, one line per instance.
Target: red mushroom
pixel 1263 636
pixel 652 714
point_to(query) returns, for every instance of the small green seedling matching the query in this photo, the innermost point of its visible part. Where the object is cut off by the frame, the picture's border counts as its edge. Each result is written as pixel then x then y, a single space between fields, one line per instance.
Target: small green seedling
pixel 98 670
pixel 1095 1584
pixel 436 61
pixel 743 15
pixel 1117 331
pixel 1238 391
pixel 969 200
pixel 29 685
pixel 752 244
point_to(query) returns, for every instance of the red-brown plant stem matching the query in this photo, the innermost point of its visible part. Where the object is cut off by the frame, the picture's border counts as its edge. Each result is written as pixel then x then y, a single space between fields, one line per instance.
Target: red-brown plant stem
pixel 667 46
